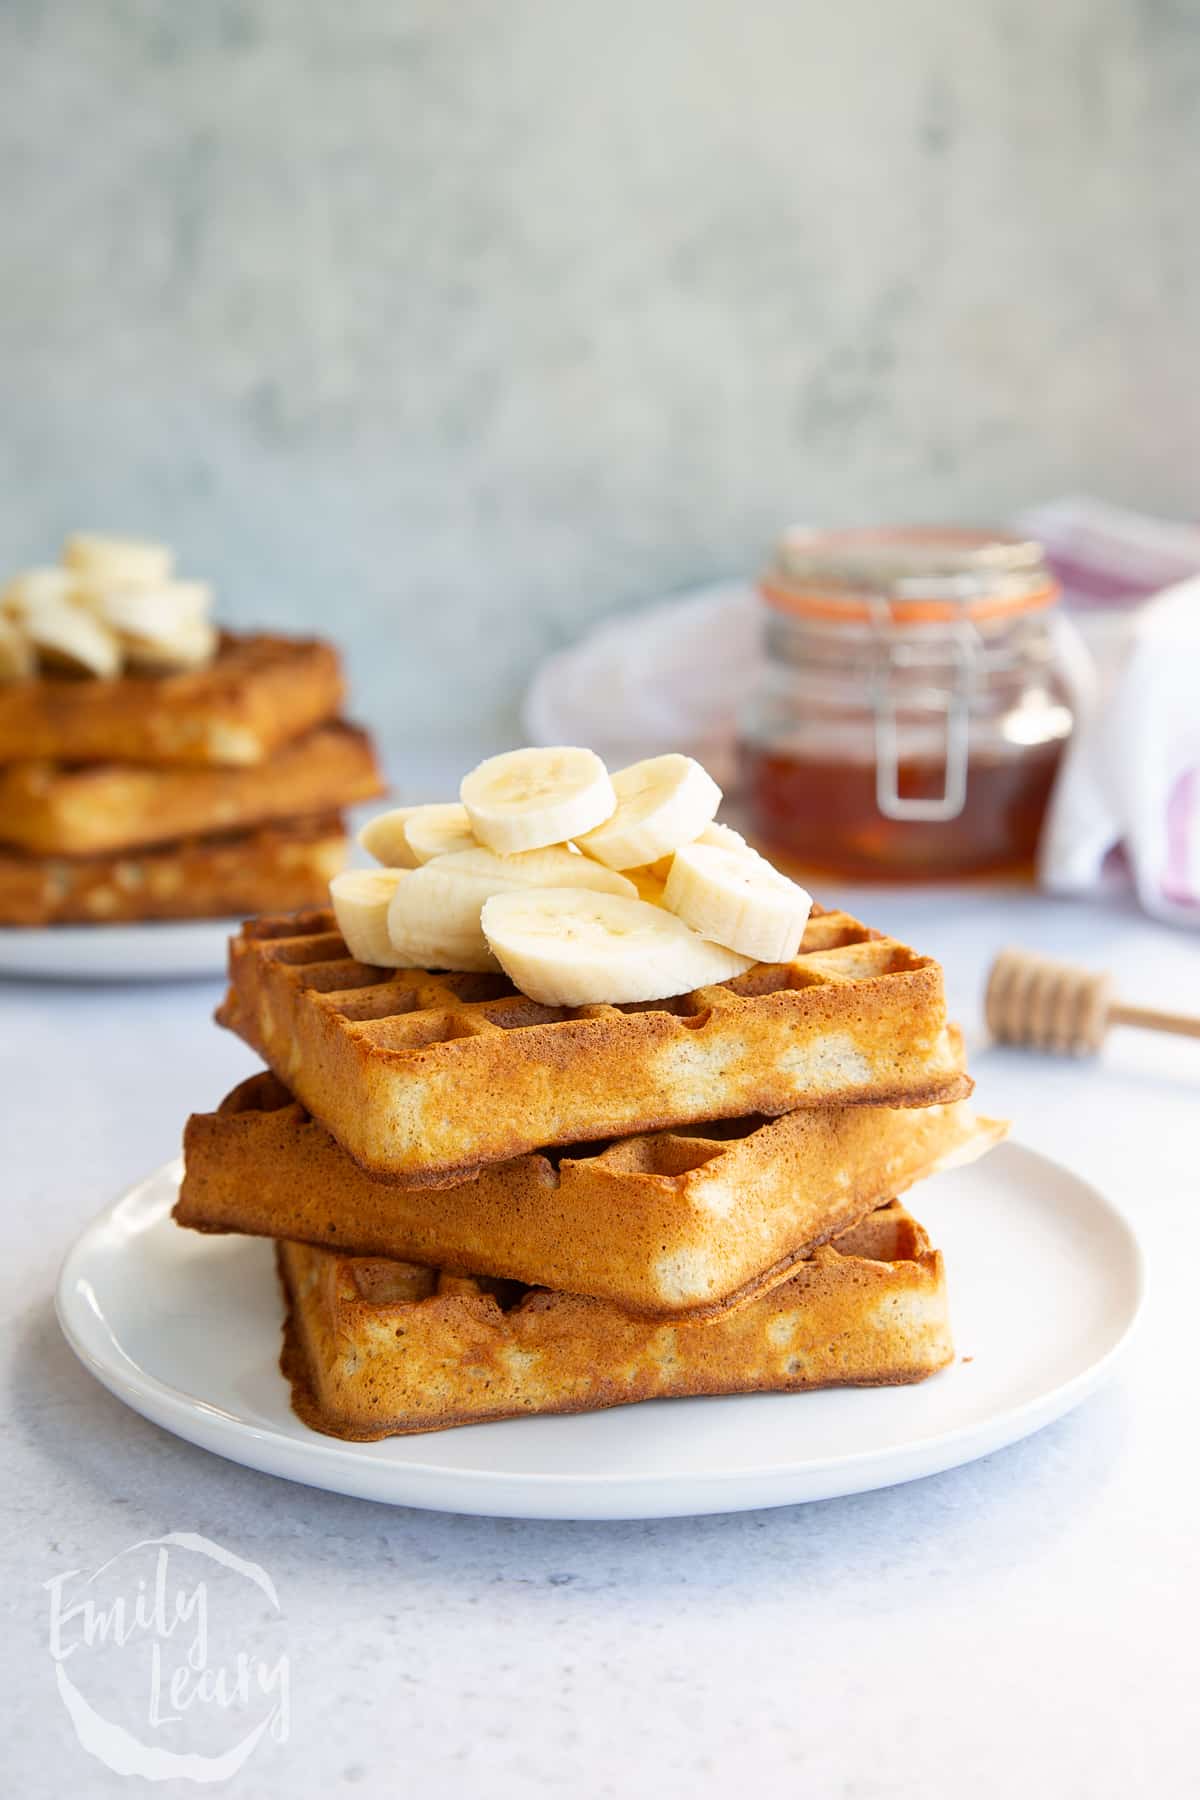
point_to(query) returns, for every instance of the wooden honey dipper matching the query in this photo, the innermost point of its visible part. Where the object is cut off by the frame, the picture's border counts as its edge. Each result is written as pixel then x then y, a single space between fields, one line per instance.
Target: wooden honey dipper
pixel 1056 1006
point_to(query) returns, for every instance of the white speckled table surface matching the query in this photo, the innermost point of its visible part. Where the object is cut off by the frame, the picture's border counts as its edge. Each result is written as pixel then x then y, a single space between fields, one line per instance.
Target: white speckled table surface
pixel 1024 1624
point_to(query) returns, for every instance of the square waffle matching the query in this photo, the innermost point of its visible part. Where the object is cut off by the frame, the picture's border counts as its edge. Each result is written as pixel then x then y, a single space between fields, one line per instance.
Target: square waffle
pixel 675 1223
pixel 49 809
pixel 425 1078
pixel 376 1349
pixel 258 692
pixel 288 864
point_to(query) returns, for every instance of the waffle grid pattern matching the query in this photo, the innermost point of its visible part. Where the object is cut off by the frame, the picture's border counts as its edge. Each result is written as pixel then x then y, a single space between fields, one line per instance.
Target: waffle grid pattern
pixel 426 1077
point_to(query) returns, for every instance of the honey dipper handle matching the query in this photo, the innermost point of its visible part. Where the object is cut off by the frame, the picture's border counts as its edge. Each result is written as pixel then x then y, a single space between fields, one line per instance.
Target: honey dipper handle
pixel 1150 1019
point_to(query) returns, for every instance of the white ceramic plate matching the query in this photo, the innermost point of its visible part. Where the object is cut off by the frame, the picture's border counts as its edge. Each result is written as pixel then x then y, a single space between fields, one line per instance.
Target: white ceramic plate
pixel 1045 1283
pixel 163 950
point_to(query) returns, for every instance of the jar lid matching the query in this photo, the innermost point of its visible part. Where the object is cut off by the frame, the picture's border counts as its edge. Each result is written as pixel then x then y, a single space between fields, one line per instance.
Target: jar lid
pixel 917 574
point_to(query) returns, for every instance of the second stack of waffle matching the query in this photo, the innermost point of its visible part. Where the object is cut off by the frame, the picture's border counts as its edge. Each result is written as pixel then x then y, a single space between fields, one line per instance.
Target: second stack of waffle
pixel 194 793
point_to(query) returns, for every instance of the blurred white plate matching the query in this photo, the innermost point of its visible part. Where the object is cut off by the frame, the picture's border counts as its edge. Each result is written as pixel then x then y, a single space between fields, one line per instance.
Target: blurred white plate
pixel 162 950
pixel 672 675
pixel 1045 1284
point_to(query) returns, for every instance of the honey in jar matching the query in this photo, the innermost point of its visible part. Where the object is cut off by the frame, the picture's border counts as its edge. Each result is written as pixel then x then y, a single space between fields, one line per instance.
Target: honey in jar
pixel 914 708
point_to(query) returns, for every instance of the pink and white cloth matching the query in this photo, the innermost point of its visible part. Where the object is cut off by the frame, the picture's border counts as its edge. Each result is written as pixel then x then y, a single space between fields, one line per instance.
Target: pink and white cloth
pixel 1128 797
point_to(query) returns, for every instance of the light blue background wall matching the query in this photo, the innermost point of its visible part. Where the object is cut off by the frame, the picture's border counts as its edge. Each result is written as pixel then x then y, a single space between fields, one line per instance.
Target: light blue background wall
pixel 449 326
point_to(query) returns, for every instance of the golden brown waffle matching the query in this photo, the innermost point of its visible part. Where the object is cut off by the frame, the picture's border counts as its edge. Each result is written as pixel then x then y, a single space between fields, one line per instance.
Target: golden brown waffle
pixel 425 1078
pixel 47 809
pixel 257 693
pixel 676 1223
pixel 225 877
pixel 376 1349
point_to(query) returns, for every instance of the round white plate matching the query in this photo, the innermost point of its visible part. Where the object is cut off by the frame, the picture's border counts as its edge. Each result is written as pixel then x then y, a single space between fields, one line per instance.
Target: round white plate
pixel 160 950
pixel 1045 1283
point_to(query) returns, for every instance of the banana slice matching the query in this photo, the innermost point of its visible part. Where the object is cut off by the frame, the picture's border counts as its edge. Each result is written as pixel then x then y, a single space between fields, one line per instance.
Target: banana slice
pixel 43 606
pixel 67 636
pixel 148 610
pixel 440 830
pixel 360 905
pixel 567 948
pixel 434 920
pixel 724 836
pixel 555 866
pixel 735 897
pixel 16 652
pixel 661 803
pixel 528 799
pixel 35 588
pixel 162 625
pixel 408 836
pixel 116 602
pixel 187 646
pixel 383 838
pixel 118 560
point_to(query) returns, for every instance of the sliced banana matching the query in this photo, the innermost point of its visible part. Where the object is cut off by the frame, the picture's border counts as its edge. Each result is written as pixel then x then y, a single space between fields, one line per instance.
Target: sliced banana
pixel 383 838
pixel 187 646
pixel 735 897
pixel 149 610
pixel 162 625
pixel 68 636
pixel 408 836
pixel 16 652
pixel 28 592
pixel 724 836
pixel 43 604
pixel 114 602
pixel 435 917
pixel 661 803
pixel 529 799
pixel 568 948
pixel 124 560
pixel 360 905
pixel 440 830
pixel 433 921
pixel 555 866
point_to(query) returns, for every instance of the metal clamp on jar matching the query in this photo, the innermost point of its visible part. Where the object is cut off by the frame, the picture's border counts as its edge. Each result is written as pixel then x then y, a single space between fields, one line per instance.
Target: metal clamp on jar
pixel 914 707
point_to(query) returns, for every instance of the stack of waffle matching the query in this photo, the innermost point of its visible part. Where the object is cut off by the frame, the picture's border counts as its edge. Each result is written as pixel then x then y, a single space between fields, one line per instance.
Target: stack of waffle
pixel 202 777
pixel 486 1206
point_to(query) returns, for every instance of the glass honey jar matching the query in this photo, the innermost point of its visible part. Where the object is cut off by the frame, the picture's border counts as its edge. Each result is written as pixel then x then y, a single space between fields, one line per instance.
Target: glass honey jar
pixel 914 707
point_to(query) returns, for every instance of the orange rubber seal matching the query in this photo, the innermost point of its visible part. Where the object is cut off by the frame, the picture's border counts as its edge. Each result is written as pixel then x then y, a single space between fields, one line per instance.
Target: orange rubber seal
pixel 853 607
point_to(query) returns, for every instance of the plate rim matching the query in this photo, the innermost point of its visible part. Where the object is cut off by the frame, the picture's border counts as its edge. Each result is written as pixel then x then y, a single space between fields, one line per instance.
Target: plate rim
pixel 171 949
pixel 152 1397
